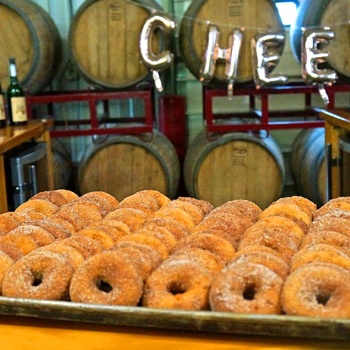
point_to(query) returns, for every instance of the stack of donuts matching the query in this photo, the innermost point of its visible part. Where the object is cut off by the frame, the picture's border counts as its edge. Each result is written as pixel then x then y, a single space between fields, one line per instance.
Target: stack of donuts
pixel 150 251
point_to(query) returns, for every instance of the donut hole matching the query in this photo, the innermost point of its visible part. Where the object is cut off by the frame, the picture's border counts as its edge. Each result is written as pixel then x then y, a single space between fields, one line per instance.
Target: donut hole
pixel 323 298
pixel 249 292
pixel 37 279
pixel 177 288
pixel 103 286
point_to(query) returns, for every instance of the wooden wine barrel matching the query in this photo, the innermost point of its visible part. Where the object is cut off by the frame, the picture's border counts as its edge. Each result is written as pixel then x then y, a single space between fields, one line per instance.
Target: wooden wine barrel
pixel 325 13
pixel 123 165
pixel 309 166
pixel 253 15
pixel 62 164
pixel 29 34
pixel 234 166
pixel 104 41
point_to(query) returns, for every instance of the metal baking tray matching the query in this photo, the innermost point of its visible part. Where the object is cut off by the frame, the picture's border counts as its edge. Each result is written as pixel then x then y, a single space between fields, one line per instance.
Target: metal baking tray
pixel 200 321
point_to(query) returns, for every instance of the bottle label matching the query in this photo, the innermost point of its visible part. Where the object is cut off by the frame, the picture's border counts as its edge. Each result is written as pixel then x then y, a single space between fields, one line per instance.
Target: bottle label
pixel 2 108
pixel 19 109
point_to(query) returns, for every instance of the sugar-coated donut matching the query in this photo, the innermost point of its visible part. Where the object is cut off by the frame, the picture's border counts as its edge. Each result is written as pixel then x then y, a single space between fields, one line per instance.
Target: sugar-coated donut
pixel 39 275
pixel 40 236
pixel 40 206
pixel 5 263
pixel 326 237
pixel 52 196
pixel 24 243
pixel 334 205
pixel 205 206
pixel 193 210
pixel 178 284
pixel 305 204
pixel 100 236
pixel 160 232
pixel 8 221
pixel 107 278
pixel 317 289
pixel 245 287
pixel 104 200
pixel 57 229
pixel 141 201
pixel 11 250
pixel 207 241
pixel 177 214
pixel 133 218
pixel 114 232
pixel 67 194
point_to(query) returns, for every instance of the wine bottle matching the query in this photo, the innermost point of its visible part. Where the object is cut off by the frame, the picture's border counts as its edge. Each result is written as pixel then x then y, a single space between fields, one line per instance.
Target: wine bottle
pixel 2 109
pixel 16 101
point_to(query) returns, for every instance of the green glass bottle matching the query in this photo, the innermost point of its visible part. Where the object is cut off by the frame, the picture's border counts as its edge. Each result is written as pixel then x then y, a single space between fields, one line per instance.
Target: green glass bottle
pixel 2 109
pixel 16 100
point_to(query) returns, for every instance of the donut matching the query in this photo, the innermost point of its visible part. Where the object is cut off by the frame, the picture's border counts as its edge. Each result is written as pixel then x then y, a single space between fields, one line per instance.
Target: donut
pixel 234 225
pixel 8 221
pixel 40 236
pixel 100 236
pixel 119 227
pixel 177 214
pixel 67 194
pixel 104 200
pixel 24 243
pixel 334 204
pixel 40 206
pixel 321 253
pixel 274 262
pixel 260 248
pixel 205 206
pixel 85 245
pixel 160 197
pixel 207 241
pixel 144 257
pixel 326 237
pixel 74 257
pixel 63 224
pixel 208 260
pixel 141 201
pixel 5 263
pixel 114 232
pixel 317 290
pixel 178 284
pixel 107 278
pixel 161 233
pixel 290 211
pixel 245 287
pixel 303 203
pixel 242 206
pixel 80 214
pixel 133 218
pixel 11 250
pixel 190 208
pixel 325 223
pixel 275 239
pixel 55 228
pixel 40 275
pixel 51 196
pixel 152 241
pixel 176 228
pixel 285 225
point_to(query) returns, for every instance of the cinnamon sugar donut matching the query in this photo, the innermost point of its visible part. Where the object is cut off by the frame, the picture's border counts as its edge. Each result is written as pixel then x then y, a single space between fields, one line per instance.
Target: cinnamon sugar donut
pixel 24 243
pixel 305 204
pixel 275 239
pixel 8 221
pixel 133 218
pixel 160 197
pixel 40 275
pixel 11 250
pixel 145 258
pixel 5 263
pixel 325 223
pixel 67 194
pixel 55 228
pixel 326 237
pixel 114 232
pixel 178 284
pixel 141 201
pixel 245 287
pixel 232 224
pixel 273 261
pixel 176 214
pixel 208 260
pixel 41 206
pixel 161 233
pixel 100 236
pixel 339 203
pixel 290 211
pixel 120 227
pixel 104 200
pixel 205 206
pixel 317 290
pixel 40 236
pixel 207 241
pixel 190 208
pixel 152 241
pixel 321 253
pixel 80 214
pixel 107 278
pixel 242 206
pixel 176 228
pixel 51 196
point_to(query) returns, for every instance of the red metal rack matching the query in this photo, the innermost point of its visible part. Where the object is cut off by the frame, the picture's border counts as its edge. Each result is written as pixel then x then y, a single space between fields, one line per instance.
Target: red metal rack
pixel 95 125
pixel 264 119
